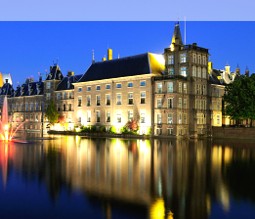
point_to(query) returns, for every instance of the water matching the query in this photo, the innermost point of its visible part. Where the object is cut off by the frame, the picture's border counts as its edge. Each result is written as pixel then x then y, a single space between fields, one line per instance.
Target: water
pixel 73 177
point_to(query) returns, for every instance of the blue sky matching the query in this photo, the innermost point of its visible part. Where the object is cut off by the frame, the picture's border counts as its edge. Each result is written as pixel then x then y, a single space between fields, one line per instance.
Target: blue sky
pixel 27 48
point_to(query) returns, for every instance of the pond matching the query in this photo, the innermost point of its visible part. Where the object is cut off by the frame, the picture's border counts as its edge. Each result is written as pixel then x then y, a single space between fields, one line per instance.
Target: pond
pixel 75 177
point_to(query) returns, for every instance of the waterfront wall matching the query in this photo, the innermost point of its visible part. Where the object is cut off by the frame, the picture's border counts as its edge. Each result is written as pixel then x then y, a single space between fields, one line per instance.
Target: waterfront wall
pixel 233 132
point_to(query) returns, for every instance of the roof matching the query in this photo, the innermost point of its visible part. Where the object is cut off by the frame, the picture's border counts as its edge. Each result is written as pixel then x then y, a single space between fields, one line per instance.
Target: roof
pixel 129 66
pixel 55 73
pixel 29 89
pixel 66 83
pixel 6 89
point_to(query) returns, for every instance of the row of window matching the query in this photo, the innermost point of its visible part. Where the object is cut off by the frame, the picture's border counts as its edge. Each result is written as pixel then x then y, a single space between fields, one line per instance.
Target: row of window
pixel 182 87
pixel 199 72
pixel 182 103
pixel 130 98
pixel 118 116
pixel 108 86
pixel 196 58
pixel 26 107
pixel 181 118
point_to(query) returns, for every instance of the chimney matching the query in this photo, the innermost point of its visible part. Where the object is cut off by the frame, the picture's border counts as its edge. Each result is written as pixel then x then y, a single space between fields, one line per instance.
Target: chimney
pixel 70 73
pixel 109 54
pixel 6 80
pixel 227 68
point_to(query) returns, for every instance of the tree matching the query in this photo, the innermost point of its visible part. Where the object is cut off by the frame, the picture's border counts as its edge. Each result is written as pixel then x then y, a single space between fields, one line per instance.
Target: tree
pixel 51 113
pixel 239 98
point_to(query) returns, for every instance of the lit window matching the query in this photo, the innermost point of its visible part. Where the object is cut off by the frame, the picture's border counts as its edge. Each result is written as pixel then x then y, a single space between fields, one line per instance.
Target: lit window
pixel 79 101
pixel 143 97
pixel 107 99
pixel 98 116
pixel 159 103
pixel 142 117
pixel 130 84
pixel 118 116
pixel 98 87
pixel 169 118
pixel 170 59
pixel 159 88
pixel 180 87
pixel 183 71
pixel 159 118
pixel 170 131
pixel 118 85
pixel 185 88
pixel 108 117
pixel 130 99
pixel 142 83
pixel 180 102
pixel 88 101
pixel 183 57
pixel 88 116
pixel 98 100
pixel 170 87
pixel 130 115
pixel 170 103
pixel 118 99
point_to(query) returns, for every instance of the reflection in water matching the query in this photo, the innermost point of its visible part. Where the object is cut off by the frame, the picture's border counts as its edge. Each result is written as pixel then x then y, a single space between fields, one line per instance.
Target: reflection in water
pixel 147 179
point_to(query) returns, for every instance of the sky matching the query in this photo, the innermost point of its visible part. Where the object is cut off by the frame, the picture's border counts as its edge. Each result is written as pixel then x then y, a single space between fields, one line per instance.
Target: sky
pixel 27 48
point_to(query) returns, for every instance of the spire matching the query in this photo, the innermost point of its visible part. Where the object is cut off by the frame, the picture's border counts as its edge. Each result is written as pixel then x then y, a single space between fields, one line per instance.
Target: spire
pixel 176 38
pixel 247 72
pixel 93 56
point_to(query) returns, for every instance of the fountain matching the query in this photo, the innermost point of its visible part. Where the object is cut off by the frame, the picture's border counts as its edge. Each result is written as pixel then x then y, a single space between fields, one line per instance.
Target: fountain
pixel 7 132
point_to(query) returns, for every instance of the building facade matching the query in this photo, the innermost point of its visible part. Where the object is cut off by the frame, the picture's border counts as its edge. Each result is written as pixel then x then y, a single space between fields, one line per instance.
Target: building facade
pixel 176 93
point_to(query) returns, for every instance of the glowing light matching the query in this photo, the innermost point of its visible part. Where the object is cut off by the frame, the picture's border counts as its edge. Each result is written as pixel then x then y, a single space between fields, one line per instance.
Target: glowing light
pixel 157 209
pixel 6 130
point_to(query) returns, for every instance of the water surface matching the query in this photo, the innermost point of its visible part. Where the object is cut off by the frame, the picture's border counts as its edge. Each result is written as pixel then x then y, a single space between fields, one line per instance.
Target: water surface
pixel 74 177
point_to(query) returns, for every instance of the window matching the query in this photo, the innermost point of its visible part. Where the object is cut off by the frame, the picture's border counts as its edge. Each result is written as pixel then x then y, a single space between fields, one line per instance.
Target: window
pixel 183 57
pixel 185 103
pixel 171 71
pixel 88 101
pixel 79 89
pixel 194 58
pixel 98 87
pixel 130 98
pixel 199 72
pixel 170 131
pixel 170 59
pixel 143 97
pixel 48 96
pixel 203 72
pixel 107 86
pixel 183 71
pixel 98 116
pixel 107 99
pixel 218 119
pixel 118 99
pixel 58 96
pixel 130 84
pixel 194 69
pixel 204 60
pixel 108 117
pixel 98 100
pixel 170 103
pixel 89 116
pixel 88 88
pixel 180 87
pixel 118 85
pixel 159 103
pixel 159 88
pixel 170 87
pixel 130 115
pixel 142 83
pixel 184 118
pixel 199 59
pixel 180 118
pixel 48 85
pixel 64 107
pixel 185 90
pixel 70 107
pixel 180 102
pixel 159 118
pixel 169 118
pixel 142 117
pixel 79 101
pixel 118 116
pixel 203 89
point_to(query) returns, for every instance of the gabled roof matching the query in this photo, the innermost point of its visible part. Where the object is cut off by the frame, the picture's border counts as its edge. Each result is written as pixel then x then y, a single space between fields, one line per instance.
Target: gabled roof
pixel 7 89
pixel 55 73
pixel 66 83
pixel 129 66
pixel 29 89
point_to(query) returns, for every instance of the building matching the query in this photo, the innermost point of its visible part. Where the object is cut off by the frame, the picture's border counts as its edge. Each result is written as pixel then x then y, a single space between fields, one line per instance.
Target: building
pixel 176 93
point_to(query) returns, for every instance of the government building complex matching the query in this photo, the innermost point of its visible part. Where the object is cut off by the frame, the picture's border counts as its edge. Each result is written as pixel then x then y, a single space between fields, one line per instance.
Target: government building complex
pixel 177 93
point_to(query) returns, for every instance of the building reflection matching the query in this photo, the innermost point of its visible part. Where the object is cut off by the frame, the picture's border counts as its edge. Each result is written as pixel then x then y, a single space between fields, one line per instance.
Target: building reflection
pixel 166 178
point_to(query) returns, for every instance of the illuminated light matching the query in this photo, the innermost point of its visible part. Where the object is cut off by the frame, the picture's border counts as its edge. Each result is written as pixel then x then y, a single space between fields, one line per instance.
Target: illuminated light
pixel 144 146
pixel 170 215
pixel 228 154
pixel 157 209
pixel 157 62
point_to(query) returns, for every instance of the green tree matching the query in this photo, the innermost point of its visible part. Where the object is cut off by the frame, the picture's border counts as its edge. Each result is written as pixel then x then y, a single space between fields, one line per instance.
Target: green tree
pixel 239 98
pixel 51 113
